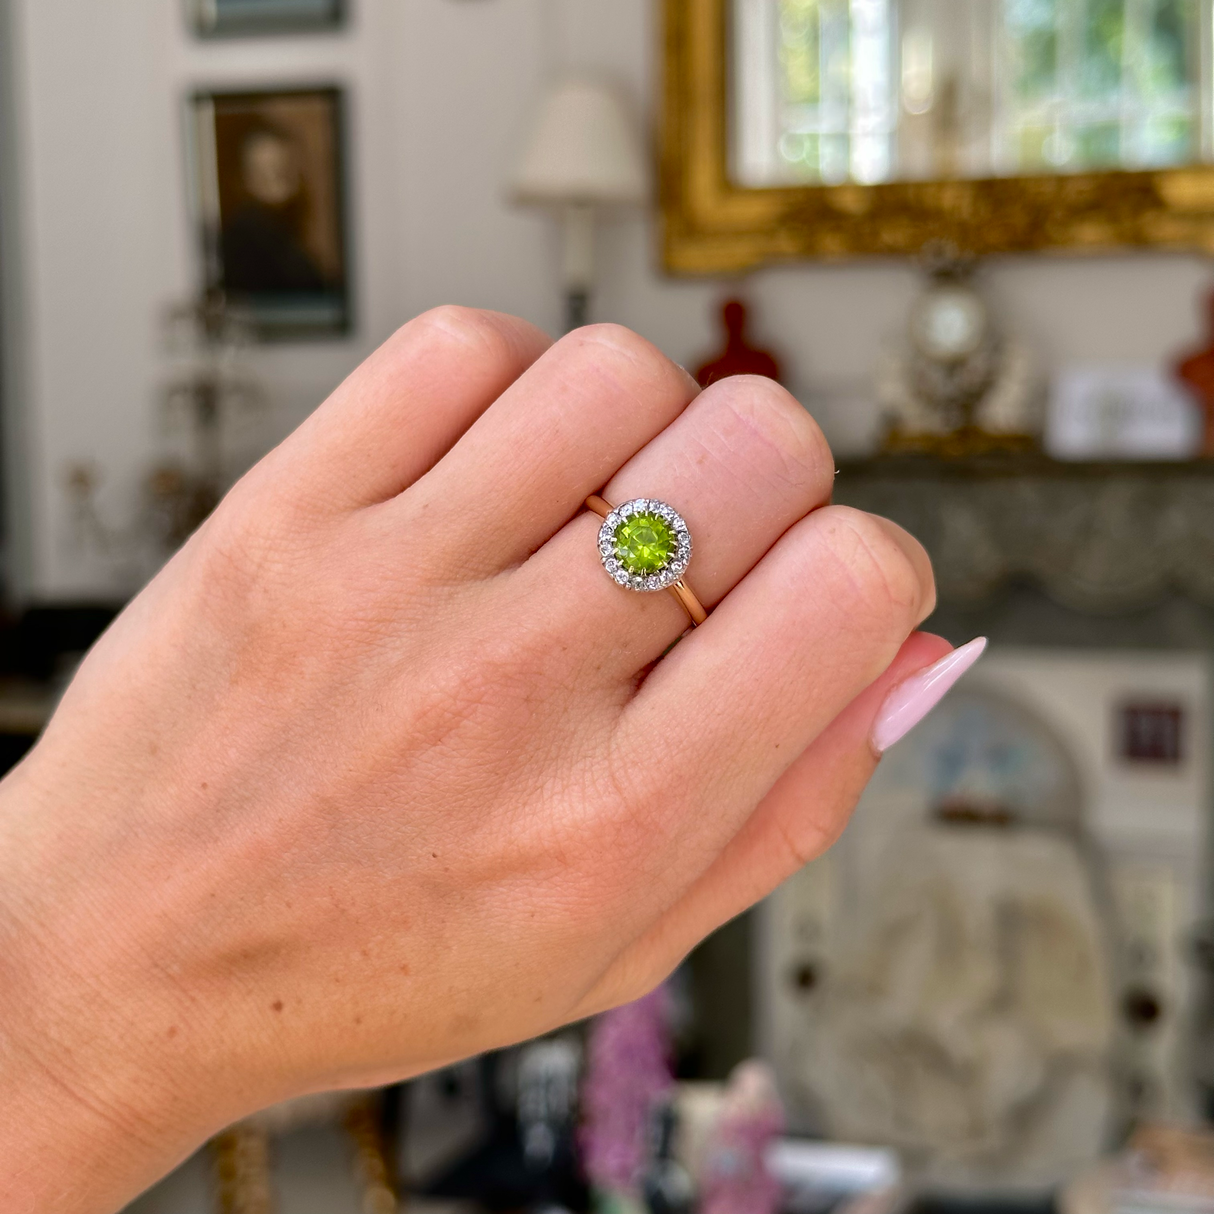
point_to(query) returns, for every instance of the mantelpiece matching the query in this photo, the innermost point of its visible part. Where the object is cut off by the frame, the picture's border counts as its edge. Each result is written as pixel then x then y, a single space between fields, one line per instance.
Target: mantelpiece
pixel 1096 537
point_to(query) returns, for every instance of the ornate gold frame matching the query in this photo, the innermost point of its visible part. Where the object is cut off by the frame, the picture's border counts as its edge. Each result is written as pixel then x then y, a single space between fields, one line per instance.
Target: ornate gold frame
pixel 712 226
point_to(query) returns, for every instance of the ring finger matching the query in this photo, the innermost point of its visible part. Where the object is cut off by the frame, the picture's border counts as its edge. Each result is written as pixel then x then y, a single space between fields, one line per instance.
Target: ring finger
pixel 741 464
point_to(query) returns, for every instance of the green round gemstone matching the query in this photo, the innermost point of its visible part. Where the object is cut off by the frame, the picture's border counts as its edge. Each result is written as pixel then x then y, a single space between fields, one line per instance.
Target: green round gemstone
pixel 645 543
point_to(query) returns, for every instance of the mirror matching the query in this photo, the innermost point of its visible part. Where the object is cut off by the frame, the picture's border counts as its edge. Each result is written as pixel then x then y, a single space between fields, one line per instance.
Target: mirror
pixel 835 127
pixel 901 90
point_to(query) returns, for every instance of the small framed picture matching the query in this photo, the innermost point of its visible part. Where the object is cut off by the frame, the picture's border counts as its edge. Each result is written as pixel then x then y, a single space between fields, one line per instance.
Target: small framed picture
pixel 271 206
pixel 1151 732
pixel 218 18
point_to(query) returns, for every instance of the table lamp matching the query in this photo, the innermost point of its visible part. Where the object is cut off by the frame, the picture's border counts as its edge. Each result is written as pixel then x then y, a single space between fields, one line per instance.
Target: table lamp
pixel 584 154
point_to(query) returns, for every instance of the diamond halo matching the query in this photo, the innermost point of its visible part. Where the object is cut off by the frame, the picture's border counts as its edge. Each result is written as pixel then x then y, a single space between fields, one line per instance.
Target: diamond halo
pixel 616 563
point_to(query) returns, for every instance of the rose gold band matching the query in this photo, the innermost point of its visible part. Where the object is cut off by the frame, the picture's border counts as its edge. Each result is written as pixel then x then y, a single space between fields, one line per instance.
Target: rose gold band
pixel 680 589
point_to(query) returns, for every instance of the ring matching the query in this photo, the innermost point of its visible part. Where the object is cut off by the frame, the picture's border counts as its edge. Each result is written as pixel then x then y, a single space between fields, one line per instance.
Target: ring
pixel 645 545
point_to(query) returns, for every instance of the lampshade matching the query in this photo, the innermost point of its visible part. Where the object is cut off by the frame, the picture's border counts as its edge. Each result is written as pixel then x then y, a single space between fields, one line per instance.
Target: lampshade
pixel 583 150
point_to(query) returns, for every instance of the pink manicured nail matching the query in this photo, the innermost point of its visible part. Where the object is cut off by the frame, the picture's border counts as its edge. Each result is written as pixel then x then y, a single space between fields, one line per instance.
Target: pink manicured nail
pixel 915 697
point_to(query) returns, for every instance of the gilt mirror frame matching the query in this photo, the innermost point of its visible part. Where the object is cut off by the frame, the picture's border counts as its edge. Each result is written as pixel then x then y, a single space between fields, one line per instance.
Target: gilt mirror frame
pixel 712 225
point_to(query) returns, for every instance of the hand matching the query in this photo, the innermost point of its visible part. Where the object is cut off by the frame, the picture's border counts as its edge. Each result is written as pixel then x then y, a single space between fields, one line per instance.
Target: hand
pixel 382 770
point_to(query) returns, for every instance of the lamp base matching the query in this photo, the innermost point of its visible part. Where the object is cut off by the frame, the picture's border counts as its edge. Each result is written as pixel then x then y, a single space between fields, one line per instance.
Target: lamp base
pixel 577 308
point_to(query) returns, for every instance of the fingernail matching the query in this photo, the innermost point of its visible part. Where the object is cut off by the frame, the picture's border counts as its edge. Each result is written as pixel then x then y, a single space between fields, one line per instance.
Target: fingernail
pixel 915 697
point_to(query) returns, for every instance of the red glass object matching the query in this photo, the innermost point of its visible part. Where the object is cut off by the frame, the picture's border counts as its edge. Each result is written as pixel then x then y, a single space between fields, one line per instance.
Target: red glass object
pixel 739 357
pixel 1196 372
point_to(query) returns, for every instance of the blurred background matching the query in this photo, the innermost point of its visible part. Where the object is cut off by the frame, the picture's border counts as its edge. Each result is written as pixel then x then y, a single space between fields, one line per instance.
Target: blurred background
pixel 973 237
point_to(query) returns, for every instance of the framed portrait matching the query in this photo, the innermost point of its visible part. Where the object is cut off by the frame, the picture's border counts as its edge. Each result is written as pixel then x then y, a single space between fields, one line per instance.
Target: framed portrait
pixel 271 206
pixel 218 18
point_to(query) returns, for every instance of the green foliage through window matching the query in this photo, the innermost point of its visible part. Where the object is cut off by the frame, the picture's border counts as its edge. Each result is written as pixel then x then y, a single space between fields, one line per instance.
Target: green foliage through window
pixel 1076 85
pixel 1100 83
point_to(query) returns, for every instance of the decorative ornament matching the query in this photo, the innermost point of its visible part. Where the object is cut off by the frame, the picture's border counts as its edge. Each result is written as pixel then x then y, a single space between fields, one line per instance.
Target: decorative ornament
pixel 241 1157
pixel 628 1073
pixel 242 1154
pixel 957 386
pixel 736 1179
pixel 1196 372
pixel 738 357
pixel 209 427
pixel 667 1185
pixel 546 1107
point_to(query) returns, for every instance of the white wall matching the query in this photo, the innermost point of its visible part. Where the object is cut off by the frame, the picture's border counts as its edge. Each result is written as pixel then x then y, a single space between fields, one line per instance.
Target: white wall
pixel 441 92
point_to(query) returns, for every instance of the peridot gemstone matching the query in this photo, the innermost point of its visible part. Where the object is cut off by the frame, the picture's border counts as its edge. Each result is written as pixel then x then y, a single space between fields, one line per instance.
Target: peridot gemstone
pixel 645 543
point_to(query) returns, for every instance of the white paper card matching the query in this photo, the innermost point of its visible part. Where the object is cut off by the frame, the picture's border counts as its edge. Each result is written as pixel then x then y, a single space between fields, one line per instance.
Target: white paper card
pixel 1120 411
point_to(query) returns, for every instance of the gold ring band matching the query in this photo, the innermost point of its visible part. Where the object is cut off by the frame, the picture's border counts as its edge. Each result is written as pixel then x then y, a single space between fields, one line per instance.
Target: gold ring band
pixel 679 588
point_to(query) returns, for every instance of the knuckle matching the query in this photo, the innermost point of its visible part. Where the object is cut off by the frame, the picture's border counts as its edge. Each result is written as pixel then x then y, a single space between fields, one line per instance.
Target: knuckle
pixel 800 845
pixel 633 974
pixel 239 556
pixel 804 841
pixel 627 824
pixel 881 569
pixel 628 349
pixel 615 337
pixel 772 413
pixel 473 327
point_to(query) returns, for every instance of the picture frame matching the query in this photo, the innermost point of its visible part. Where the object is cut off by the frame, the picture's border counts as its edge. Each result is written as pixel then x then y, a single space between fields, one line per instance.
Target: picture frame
pixel 233 18
pixel 713 225
pixel 270 200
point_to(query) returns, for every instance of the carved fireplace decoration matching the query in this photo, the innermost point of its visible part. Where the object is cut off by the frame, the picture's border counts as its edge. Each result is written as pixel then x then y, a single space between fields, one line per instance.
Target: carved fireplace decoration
pixel 1096 537
pixel 999 943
